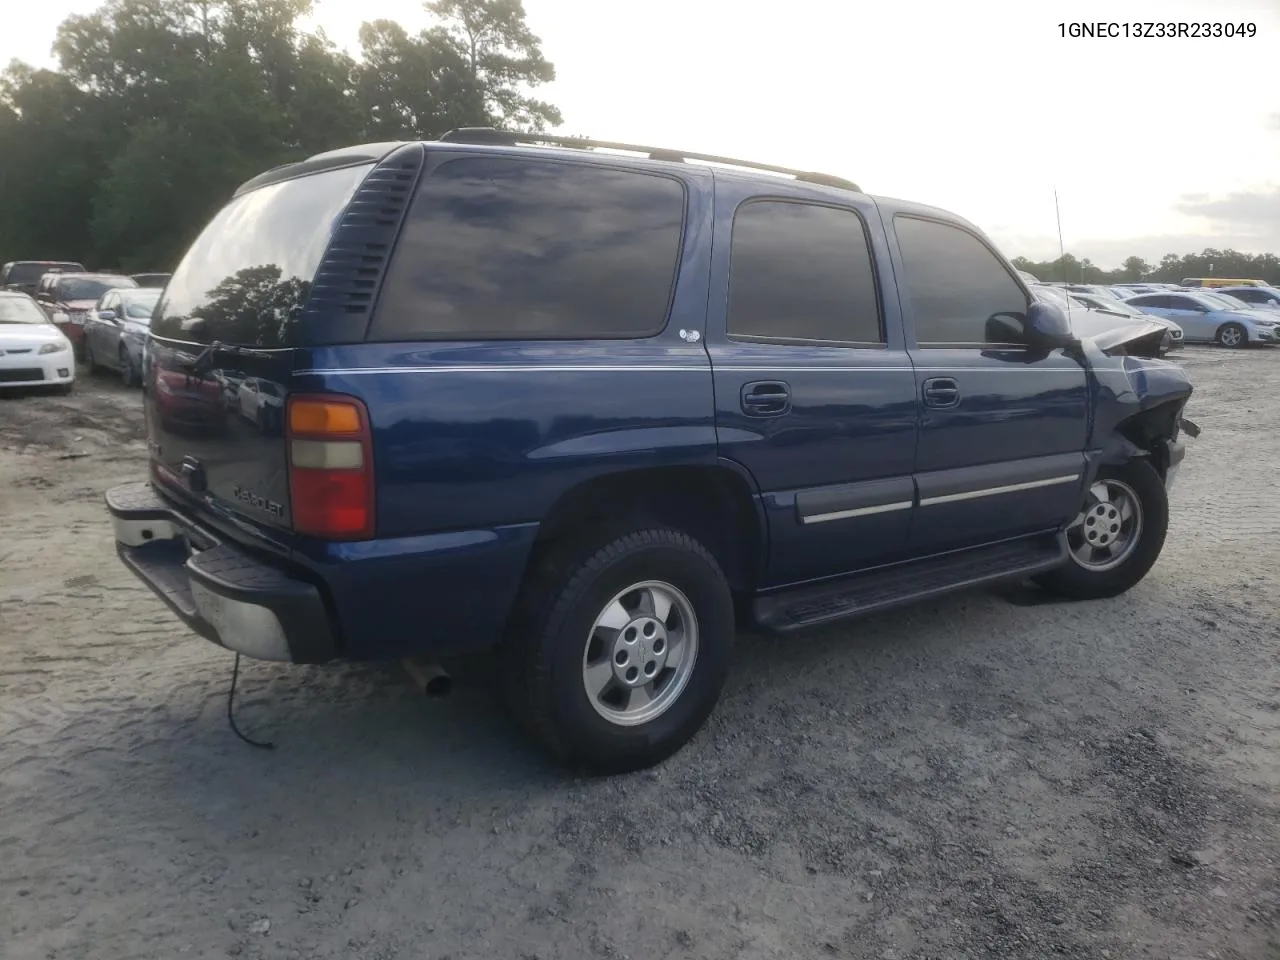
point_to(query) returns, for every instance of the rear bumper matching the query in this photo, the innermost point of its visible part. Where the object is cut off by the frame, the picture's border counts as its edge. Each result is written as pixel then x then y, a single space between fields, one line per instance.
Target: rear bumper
pixel 217 589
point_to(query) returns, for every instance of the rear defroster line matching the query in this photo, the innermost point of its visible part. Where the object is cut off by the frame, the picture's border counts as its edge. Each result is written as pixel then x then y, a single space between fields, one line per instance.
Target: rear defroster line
pixel 231 718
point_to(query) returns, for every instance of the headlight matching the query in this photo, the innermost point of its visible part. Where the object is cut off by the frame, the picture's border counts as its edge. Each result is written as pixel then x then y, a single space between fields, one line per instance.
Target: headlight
pixel 59 317
pixel 52 348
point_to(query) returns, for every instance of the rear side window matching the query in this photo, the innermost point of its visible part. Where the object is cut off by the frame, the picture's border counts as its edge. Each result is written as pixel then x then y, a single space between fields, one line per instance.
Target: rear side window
pixel 504 248
pixel 801 271
pixel 953 281
pixel 246 278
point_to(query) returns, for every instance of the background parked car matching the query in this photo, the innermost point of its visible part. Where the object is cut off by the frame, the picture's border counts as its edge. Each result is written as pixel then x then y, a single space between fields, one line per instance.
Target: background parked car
pixel 24 275
pixel 116 329
pixel 1265 297
pixel 1205 318
pixel 151 279
pixel 68 298
pixel 33 352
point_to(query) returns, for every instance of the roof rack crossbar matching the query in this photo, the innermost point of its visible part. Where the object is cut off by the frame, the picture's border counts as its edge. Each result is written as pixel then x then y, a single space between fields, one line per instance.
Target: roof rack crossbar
pixel 495 137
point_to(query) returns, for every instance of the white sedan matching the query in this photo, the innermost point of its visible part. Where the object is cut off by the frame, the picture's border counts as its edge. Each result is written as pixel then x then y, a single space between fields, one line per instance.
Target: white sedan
pixel 33 352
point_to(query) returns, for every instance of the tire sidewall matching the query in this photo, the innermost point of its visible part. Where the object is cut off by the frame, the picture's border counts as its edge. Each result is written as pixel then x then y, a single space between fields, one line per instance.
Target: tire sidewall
pixel 591 736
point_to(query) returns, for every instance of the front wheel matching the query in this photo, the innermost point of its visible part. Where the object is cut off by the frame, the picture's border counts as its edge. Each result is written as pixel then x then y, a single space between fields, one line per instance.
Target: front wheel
pixel 127 374
pixel 622 648
pixel 1117 536
pixel 1233 335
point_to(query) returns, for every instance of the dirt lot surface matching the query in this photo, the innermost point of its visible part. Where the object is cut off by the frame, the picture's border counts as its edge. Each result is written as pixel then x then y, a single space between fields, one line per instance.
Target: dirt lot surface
pixel 989 776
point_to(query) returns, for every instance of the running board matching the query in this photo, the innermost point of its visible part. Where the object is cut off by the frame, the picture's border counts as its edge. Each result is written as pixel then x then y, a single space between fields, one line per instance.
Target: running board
pixel 904 583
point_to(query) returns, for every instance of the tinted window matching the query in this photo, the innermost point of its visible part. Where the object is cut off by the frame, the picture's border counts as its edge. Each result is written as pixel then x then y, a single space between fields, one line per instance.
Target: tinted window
pixel 84 288
pixel 32 272
pixel 802 272
pixel 1250 296
pixel 246 278
pixel 507 248
pixel 953 282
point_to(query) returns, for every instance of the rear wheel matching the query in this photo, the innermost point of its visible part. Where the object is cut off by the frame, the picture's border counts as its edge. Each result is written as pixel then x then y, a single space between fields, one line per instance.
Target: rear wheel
pixel 1233 335
pixel 621 648
pixel 127 373
pixel 1117 536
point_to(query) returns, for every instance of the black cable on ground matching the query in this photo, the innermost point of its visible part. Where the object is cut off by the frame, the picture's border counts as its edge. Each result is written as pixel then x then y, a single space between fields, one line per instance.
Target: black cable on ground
pixel 231 719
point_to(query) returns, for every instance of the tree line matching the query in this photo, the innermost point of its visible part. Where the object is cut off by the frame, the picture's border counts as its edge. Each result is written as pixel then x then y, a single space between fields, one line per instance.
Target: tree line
pixel 158 109
pixel 1171 268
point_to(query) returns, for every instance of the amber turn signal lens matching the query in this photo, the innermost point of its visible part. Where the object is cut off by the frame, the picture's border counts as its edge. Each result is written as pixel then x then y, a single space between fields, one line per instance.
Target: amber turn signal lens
pixel 324 417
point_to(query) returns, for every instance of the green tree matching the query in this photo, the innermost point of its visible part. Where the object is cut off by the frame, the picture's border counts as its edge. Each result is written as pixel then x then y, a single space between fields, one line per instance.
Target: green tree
pixel 160 108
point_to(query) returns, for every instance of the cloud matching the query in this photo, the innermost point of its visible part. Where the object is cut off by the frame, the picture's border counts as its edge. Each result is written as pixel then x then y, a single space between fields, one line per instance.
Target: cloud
pixel 1256 209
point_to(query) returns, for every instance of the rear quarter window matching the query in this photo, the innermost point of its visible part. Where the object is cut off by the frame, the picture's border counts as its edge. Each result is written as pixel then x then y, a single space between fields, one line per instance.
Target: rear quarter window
pixel 247 277
pixel 507 248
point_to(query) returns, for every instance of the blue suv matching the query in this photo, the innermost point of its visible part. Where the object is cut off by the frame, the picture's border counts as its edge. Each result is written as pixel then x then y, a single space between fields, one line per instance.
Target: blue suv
pixel 596 407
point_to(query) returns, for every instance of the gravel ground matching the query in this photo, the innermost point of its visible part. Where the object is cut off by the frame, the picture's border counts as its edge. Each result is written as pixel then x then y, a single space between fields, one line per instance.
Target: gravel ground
pixel 988 776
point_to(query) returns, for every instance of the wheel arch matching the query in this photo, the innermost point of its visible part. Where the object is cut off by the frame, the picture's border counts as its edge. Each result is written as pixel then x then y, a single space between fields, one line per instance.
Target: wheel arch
pixel 715 504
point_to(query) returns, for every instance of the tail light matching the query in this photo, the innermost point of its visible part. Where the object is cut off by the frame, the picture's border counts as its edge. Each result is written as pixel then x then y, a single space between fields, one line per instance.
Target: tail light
pixel 330 467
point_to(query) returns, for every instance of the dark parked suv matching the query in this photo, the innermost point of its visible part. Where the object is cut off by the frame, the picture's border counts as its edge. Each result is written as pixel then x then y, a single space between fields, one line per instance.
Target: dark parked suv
pixel 595 412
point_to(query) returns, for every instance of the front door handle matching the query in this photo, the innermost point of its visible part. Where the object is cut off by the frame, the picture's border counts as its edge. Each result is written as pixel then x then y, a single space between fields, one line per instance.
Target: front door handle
pixel 941 392
pixel 766 398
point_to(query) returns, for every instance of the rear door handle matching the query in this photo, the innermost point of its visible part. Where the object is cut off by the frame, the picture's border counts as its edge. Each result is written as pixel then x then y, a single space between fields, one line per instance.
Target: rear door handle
pixel 941 392
pixel 766 398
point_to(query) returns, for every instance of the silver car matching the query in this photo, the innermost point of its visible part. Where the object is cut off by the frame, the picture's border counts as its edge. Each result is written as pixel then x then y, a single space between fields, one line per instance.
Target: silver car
pixel 116 329
pixel 1208 317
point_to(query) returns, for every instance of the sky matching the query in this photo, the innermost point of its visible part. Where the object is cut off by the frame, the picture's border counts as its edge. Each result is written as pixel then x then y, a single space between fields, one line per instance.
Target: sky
pixel 1154 145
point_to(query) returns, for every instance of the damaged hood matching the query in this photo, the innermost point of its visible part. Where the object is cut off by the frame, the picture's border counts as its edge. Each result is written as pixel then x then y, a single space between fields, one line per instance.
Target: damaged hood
pixel 1116 333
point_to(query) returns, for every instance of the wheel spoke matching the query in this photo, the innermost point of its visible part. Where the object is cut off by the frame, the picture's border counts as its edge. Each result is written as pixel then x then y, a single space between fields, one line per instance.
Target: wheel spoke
pixel 1101 492
pixel 640 696
pixel 675 649
pixel 615 617
pixel 596 677
pixel 659 604
pixel 1126 509
pixel 1078 522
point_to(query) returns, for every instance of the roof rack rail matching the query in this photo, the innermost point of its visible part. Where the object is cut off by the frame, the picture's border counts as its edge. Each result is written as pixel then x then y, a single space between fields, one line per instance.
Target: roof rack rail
pixel 491 136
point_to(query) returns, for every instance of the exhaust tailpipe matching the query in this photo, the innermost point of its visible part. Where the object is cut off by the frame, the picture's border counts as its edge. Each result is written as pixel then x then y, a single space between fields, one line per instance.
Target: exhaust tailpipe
pixel 431 677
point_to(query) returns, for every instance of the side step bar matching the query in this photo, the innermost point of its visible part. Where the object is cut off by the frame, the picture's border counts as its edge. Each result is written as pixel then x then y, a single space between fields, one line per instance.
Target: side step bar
pixel 885 587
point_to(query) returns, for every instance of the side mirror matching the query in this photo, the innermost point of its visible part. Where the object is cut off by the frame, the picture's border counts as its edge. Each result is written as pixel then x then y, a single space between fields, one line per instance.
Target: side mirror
pixel 107 315
pixel 1006 328
pixel 1047 327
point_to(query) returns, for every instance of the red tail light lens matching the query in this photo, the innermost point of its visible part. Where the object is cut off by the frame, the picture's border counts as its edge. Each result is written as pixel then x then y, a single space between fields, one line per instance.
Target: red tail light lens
pixel 330 467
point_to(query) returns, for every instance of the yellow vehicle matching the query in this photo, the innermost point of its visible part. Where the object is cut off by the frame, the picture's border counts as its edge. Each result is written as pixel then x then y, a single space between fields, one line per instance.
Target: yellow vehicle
pixel 1221 282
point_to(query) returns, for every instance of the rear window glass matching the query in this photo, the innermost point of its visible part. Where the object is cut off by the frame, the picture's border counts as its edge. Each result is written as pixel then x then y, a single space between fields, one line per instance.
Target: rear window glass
pixel 32 272
pixel 508 248
pixel 84 288
pixel 246 278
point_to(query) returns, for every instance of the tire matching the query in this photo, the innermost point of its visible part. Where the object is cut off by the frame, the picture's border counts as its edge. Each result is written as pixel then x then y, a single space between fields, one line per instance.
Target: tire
pixel 127 374
pixel 89 362
pixel 554 642
pixel 1108 578
pixel 1232 335
pixel 67 389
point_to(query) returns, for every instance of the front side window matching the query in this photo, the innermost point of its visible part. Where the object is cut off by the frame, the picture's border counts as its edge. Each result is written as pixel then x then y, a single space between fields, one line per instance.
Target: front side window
pixel 507 248
pixel 953 282
pixel 802 271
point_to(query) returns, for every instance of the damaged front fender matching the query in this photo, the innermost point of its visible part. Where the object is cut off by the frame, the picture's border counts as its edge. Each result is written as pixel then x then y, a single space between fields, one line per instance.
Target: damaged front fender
pixel 1139 409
